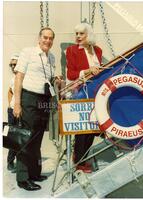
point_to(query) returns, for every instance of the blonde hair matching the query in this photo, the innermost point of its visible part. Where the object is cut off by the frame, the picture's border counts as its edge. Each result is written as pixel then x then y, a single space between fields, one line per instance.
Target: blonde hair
pixel 86 28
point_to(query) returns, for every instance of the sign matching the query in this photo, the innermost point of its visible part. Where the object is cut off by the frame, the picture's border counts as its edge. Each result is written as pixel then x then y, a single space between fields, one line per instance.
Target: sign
pixel 77 117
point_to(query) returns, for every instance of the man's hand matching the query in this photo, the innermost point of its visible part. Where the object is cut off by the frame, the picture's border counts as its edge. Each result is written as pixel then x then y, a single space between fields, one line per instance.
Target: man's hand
pixel 17 111
pixel 60 83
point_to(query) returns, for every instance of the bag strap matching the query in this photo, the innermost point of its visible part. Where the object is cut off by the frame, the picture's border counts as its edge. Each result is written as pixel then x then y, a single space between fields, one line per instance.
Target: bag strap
pixel 19 122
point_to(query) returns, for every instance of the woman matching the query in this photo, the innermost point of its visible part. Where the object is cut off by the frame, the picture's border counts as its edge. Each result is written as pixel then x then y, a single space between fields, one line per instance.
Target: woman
pixel 82 58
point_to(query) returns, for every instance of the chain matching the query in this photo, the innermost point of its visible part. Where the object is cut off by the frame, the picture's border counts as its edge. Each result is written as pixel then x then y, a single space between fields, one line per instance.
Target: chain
pixel 41 15
pixel 47 14
pixel 106 29
pixel 93 13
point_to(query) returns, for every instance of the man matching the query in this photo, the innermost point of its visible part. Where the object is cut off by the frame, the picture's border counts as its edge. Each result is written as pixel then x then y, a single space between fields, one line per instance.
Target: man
pixel 34 74
pixel 11 118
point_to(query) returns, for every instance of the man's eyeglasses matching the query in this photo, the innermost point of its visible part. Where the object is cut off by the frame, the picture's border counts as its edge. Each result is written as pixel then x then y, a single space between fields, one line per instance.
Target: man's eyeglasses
pixel 12 65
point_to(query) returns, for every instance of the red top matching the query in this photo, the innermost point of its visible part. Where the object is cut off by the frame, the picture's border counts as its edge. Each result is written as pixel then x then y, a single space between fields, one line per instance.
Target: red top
pixel 77 60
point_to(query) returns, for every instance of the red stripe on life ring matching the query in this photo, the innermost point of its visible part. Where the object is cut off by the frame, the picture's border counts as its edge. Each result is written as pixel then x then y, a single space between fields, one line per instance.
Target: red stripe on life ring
pixel 141 124
pixel 106 125
pixel 110 85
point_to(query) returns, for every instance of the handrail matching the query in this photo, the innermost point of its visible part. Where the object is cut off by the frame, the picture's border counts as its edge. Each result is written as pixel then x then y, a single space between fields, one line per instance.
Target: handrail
pixel 78 82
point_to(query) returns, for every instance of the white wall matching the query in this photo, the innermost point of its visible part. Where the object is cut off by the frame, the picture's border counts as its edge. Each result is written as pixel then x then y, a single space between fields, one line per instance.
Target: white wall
pixel 22 23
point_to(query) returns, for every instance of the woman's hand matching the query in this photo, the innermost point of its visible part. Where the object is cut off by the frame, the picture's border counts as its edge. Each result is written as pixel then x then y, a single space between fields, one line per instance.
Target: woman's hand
pixel 94 70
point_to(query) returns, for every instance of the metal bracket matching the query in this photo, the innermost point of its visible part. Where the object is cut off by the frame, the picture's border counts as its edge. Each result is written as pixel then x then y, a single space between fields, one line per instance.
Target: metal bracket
pixel 85 184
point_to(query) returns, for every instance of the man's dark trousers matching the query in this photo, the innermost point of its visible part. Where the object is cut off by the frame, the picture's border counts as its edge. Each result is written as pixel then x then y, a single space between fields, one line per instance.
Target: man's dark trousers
pixel 35 115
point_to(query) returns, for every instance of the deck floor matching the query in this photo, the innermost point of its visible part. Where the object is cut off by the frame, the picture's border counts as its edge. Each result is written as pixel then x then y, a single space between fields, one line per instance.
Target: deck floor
pixel 49 157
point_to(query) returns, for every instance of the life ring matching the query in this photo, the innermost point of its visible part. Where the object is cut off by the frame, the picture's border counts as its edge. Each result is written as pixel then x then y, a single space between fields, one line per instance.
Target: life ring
pixel 105 122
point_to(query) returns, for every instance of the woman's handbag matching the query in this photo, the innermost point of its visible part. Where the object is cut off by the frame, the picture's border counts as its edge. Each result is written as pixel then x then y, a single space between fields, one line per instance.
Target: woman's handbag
pixel 17 138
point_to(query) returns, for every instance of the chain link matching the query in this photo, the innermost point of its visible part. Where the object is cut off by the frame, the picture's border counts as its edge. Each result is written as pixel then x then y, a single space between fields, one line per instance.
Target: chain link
pixel 47 13
pixel 93 13
pixel 106 29
pixel 41 15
